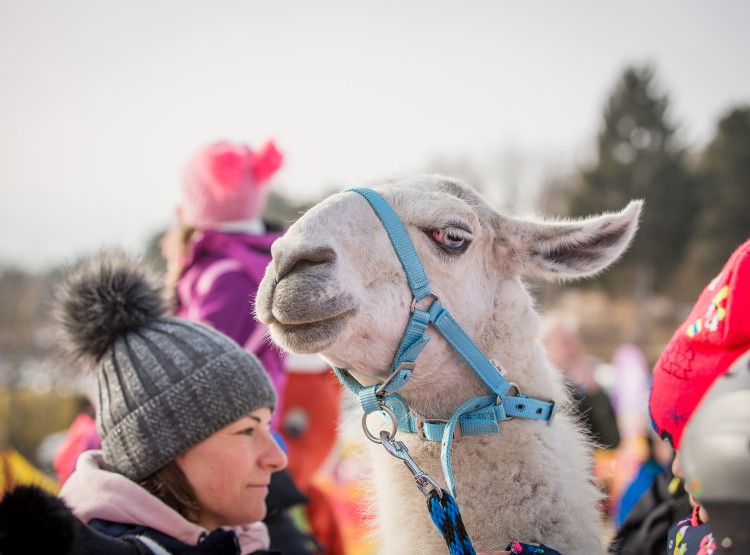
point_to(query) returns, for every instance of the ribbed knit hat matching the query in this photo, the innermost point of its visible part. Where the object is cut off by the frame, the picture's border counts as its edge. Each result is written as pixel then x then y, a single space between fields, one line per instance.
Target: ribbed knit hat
pixel 713 336
pixel 165 384
pixel 227 182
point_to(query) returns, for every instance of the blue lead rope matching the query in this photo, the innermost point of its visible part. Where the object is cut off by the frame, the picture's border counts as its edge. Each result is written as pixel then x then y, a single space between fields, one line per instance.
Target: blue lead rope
pixel 441 506
pixel 446 516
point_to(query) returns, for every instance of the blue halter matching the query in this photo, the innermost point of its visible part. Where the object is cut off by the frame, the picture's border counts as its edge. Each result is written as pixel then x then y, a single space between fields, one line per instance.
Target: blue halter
pixel 479 415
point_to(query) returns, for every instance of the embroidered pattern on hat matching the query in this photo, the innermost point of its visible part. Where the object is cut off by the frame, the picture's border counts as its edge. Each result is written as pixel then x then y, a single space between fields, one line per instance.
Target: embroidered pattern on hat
pixel 677 360
pixel 715 313
pixel 676 416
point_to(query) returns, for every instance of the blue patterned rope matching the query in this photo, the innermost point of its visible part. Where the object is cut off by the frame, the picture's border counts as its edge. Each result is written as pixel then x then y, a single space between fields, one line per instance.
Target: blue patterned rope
pixel 446 516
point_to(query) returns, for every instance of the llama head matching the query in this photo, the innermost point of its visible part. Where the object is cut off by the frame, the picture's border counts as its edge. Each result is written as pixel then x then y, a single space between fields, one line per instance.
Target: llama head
pixel 336 287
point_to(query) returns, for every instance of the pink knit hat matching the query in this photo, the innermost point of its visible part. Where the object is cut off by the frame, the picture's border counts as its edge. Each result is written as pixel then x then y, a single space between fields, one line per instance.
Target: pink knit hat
pixel 227 182
pixel 713 336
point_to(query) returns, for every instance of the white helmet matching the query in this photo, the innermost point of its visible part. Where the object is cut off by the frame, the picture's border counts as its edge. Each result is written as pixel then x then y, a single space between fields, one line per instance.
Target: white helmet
pixel 716 456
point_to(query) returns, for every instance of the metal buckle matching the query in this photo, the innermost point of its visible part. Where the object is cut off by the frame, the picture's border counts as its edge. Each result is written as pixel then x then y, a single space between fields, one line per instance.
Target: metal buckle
pixel 499 400
pixel 420 427
pixel 404 365
pixel 553 413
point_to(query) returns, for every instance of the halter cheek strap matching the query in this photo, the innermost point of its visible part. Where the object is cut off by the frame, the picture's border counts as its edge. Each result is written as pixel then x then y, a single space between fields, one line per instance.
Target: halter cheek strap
pixel 478 415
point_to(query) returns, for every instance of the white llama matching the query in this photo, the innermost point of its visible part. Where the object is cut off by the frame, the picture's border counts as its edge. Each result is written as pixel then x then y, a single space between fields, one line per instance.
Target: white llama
pixel 336 287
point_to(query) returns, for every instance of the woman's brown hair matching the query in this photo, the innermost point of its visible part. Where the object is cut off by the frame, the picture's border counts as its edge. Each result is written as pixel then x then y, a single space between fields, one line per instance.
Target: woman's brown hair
pixel 171 486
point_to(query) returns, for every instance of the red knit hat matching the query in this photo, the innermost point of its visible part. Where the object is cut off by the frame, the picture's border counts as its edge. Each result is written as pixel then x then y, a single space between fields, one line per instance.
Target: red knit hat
pixel 226 182
pixel 703 347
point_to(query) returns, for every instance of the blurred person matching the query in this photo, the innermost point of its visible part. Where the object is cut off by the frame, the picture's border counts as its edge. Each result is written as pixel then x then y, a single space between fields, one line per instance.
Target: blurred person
pixel 563 344
pixel 184 414
pixel 80 437
pixel 715 460
pixel 703 348
pixel 641 456
pixel 216 257
pixel 218 252
pixel 658 459
pixel 645 528
pixel 629 395
pixel 637 453
pixel 590 402
pixel 15 470
pixel 309 425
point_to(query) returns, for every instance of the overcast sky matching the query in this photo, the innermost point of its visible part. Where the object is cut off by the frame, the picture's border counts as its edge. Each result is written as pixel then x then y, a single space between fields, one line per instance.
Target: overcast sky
pixel 101 102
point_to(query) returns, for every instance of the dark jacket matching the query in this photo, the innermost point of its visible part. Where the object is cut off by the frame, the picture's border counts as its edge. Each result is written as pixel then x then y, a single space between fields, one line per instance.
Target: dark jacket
pixel 283 494
pixel 34 521
pixel 646 527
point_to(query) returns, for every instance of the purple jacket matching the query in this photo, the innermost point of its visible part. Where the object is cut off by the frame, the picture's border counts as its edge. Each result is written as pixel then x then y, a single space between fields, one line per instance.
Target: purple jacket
pixel 218 284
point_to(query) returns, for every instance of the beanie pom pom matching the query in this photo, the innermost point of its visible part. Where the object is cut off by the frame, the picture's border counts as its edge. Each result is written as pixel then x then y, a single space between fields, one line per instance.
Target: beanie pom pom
pixel 228 166
pixel 266 162
pixel 103 298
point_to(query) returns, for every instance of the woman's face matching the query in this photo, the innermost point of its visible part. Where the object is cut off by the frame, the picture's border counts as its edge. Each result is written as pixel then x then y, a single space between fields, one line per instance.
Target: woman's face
pixel 230 471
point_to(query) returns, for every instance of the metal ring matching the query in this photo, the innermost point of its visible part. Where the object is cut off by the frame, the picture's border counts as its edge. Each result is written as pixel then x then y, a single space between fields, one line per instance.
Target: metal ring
pixel 414 300
pixel 499 400
pixel 518 389
pixel 394 424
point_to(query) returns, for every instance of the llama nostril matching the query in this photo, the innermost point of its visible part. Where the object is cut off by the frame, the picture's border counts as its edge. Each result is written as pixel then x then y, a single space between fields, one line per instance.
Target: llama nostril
pixel 303 258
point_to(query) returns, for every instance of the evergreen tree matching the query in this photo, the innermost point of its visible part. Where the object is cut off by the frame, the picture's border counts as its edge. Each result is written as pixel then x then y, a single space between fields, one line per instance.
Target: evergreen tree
pixel 639 157
pixel 724 224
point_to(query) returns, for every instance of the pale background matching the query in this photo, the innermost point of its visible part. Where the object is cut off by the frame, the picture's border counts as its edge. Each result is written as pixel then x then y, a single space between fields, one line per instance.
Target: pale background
pixel 101 102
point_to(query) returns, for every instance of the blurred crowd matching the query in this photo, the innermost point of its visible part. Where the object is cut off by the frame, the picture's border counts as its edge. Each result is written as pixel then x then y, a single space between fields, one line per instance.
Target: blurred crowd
pixel 659 447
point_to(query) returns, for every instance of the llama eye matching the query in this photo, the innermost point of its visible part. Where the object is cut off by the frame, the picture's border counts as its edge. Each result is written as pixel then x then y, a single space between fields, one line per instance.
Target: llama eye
pixel 451 238
pixel 445 238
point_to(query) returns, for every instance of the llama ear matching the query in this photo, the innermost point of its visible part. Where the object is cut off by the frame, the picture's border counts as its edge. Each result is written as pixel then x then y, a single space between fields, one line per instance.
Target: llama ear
pixel 569 249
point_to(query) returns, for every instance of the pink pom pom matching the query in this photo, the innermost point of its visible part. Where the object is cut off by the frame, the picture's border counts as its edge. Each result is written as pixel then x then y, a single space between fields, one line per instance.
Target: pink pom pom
pixel 228 165
pixel 265 162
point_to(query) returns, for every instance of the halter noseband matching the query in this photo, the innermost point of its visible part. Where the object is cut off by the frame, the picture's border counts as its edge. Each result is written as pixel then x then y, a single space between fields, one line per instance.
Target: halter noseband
pixel 479 415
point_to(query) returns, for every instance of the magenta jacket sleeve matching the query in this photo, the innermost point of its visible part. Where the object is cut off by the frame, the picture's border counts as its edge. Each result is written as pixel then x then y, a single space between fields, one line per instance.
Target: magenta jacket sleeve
pixel 227 305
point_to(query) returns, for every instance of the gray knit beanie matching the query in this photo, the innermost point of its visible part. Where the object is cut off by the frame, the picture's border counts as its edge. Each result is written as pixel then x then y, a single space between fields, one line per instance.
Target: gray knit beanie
pixel 165 384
